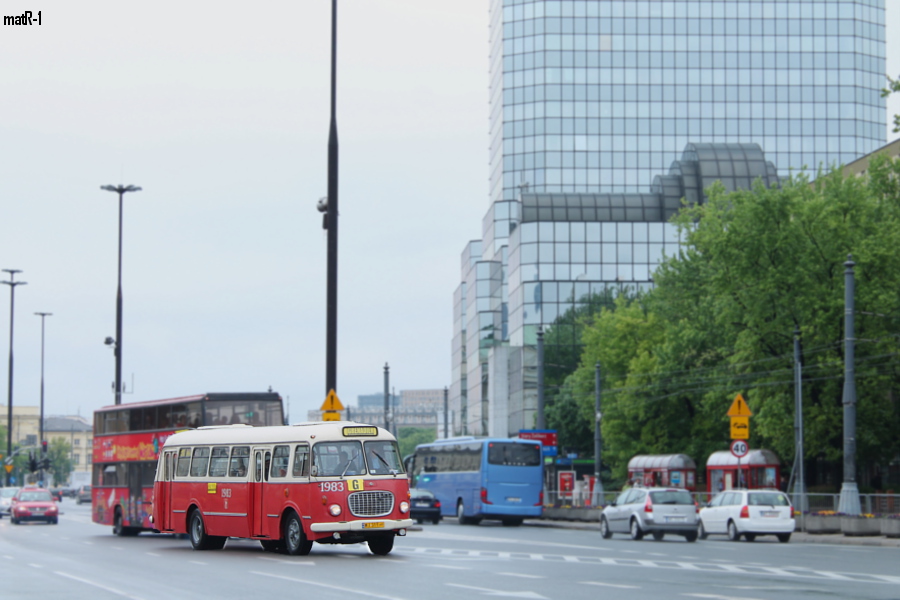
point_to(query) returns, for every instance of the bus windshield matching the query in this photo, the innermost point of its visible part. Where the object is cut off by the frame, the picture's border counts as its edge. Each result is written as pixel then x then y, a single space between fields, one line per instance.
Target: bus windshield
pixel 383 457
pixel 517 455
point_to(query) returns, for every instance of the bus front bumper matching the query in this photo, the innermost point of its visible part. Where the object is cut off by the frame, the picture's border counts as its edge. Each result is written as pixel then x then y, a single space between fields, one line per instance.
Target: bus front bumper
pixel 367 526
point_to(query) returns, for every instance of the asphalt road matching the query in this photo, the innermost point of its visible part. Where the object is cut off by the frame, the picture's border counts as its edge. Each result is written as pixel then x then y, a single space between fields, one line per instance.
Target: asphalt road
pixel 80 560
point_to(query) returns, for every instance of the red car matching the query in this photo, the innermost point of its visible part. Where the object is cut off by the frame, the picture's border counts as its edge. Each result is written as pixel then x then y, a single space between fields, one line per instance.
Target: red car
pixel 33 504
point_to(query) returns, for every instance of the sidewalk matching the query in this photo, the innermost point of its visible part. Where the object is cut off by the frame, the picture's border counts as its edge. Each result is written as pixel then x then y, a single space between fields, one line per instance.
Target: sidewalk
pixel 798 537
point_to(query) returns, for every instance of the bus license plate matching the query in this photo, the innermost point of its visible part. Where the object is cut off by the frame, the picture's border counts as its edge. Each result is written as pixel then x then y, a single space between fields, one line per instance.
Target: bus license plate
pixel 376 525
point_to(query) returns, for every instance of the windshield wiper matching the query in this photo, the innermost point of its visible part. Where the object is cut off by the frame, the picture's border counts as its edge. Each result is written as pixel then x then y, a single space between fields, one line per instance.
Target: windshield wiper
pixel 349 462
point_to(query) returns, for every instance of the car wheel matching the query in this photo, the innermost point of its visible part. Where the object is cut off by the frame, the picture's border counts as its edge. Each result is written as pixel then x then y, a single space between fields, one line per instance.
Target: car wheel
pixel 658 536
pixel 691 536
pixel 605 533
pixel 749 536
pixel 701 531
pixel 420 521
pixel 784 538
pixel 295 542
pixel 636 533
pixel 733 534
pixel 436 521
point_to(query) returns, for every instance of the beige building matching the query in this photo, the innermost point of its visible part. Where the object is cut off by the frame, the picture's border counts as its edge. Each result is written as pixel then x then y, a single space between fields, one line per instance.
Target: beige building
pixel 79 434
pixel 24 426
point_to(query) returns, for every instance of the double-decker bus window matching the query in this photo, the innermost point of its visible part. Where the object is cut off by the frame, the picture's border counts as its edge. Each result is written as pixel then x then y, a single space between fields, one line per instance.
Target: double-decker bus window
pixel 194 415
pixel 148 474
pixel 113 475
pixel 179 415
pixel 383 458
pixel 218 461
pixel 184 462
pixel 280 458
pixel 301 461
pixel 199 462
pixel 164 417
pixel 240 460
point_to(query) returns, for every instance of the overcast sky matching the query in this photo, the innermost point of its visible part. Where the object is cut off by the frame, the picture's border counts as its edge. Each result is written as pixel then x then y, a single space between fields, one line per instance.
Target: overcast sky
pixel 219 110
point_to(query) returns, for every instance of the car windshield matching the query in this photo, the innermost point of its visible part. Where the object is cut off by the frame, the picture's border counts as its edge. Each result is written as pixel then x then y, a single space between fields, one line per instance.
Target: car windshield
pixel 8 492
pixel 768 499
pixel 420 494
pixel 37 496
pixel 671 497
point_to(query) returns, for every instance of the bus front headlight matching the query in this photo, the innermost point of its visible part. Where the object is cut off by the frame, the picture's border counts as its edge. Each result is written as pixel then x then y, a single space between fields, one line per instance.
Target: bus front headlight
pixel 335 510
pixel 404 507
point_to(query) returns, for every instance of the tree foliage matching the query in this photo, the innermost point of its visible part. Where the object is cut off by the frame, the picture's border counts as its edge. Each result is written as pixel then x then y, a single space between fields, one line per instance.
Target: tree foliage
pixel 410 437
pixel 59 451
pixel 754 266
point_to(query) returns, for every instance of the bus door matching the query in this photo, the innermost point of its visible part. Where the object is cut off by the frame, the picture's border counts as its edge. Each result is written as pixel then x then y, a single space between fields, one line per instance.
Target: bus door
pixel 132 506
pixel 164 500
pixel 261 459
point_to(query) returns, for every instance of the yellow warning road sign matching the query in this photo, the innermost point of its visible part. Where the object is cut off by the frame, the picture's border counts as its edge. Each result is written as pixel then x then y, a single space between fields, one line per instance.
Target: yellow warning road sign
pixel 331 415
pixel 740 428
pixel 9 468
pixel 332 402
pixel 739 408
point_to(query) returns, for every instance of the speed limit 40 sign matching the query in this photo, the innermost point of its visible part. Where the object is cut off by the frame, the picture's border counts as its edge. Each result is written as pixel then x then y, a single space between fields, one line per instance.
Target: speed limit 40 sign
pixel 740 448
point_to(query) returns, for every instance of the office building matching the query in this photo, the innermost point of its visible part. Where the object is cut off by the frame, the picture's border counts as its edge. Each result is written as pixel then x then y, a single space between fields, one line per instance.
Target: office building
pixel 591 102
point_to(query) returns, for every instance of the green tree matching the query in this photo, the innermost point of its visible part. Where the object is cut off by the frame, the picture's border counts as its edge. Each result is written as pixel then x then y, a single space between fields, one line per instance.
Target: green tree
pixel 410 437
pixel 59 452
pixel 893 87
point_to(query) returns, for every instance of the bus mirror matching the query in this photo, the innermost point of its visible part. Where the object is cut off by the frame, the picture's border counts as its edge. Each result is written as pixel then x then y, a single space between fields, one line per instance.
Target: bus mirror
pixel 314 471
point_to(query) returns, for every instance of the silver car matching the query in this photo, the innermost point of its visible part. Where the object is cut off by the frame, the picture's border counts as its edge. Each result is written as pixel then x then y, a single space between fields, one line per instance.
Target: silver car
pixel 657 511
pixel 6 496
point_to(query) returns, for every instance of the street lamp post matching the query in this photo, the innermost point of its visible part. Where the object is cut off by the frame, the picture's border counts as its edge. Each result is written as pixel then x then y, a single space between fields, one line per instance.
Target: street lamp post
pixel 12 283
pixel 43 316
pixel 332 221
pixel 117 346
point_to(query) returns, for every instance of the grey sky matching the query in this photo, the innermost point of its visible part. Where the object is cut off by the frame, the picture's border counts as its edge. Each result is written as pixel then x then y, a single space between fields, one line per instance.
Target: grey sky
pixel 219 110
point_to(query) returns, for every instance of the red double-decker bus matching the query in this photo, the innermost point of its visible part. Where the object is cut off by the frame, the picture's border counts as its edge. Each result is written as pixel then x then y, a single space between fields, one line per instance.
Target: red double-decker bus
pixel 127 439
pixel 333 482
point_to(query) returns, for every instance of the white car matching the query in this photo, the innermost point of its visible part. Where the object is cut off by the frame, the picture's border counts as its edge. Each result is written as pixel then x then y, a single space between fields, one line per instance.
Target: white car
pixel 748 513
pixel 6 496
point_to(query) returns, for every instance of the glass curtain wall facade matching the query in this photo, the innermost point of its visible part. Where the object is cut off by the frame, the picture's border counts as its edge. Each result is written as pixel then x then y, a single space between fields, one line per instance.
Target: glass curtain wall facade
pixel 600 96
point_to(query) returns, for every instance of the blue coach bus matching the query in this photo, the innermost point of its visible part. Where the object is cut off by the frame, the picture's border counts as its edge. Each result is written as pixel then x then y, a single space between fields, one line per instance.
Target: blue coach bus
pixel 482 478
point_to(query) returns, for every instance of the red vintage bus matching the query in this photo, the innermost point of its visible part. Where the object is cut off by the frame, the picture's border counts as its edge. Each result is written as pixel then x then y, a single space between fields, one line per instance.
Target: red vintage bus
pixel 127 439
pixel 333 482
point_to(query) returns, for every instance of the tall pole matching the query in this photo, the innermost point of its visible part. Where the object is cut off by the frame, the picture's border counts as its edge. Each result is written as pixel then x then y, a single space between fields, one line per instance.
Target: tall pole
pixel 597 499
pixel 849 503
pixel 800 482
pixel 446 414
pixel 541 424
pixel 43 316
pixel 117 345
pixel 12 283
pixel 332 219
pixel 387 422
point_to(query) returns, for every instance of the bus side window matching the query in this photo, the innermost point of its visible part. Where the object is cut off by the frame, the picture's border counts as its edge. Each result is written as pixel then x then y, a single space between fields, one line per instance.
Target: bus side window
pixel 218 463
pixel 280 459
pixel 240 460
pixel 301 461
pixel 200 462
pixel 184 462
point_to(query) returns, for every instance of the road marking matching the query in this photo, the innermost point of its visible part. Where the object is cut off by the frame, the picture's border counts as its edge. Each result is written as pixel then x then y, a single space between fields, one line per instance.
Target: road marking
pixel 325 585
pixel 523 575
pixel 88 543
pixel 285 561
pixel 490 592
pixel 151 554
pixel 718 597
pixel 458 568
pixel 99 585
pixel 197 562
pixel 35 566
pixel 612 585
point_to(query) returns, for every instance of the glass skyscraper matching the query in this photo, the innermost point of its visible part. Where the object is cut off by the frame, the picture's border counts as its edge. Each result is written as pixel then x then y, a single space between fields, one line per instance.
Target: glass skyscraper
pixel 591 103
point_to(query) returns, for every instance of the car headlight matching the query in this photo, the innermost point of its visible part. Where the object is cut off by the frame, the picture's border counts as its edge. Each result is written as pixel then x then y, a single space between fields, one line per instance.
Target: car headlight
pixel 404 507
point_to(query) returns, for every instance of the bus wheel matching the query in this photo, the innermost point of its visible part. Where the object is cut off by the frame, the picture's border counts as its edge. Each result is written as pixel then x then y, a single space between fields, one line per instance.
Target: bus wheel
pixel 200 540
pixel 295 542
pixel 381 545
pixel 119 529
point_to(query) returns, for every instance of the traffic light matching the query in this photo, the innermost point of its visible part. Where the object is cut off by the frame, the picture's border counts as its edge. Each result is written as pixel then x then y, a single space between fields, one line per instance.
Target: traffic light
pixel 45 463
pixel 32 463
pixel 44 448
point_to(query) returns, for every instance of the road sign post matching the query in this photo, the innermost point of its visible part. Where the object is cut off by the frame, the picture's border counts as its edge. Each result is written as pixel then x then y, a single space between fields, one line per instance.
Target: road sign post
pixel 331 407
